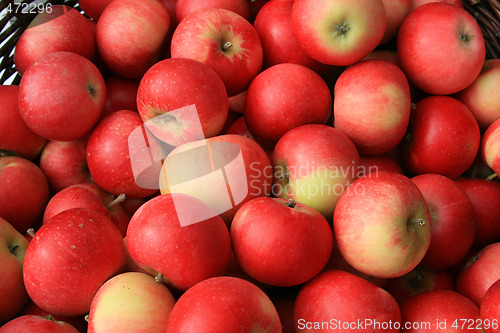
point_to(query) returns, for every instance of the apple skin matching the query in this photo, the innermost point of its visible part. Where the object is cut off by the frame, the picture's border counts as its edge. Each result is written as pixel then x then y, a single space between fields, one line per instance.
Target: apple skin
pixel 453 220
pixel 478 96
pixel 203 35
pixel 239 127
pixel 482 272
pixel 141 23
pixel 372 105
pixel 38 324
pixel 443 137
pixel 428 36
pixel 224 304
pixel 336 32
pixel 490 147
pixel 339 297
pixel 489 309
pixel 184 8
pixel 108 156
pixel 439 310
pixel 59 75
pixel 378 163
pixel 283 97
pixel 129 302
pixel 314 164
pixel 90 196
pixel 121 94
pixel 274 25
pixel 420 280
pixel 77 247
pixel 484 196
pixel 382 225
pixel 93 8
pixel 64 29
pixel 395 13
pixel 77 322
pixel 64 163
pixel 13 247
pixel 186 167
pixel 190 82
pixel 280 243
pixel 418 3
pixel 17 138
pixel 24 194
pixel 184 255
pixel 236 103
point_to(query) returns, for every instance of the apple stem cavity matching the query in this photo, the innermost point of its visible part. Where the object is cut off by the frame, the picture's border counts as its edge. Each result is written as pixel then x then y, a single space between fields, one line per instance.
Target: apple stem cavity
pixel 491 177
pixel 342 29
pixel 226 46
pixel 13 249
pixel 119 199
pixel 465 37
pixel 159 278
pixel 31 232
pixel 291 203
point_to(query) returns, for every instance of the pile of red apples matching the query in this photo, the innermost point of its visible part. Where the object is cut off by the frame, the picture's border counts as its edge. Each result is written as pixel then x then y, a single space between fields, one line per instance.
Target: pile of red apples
pixel 242 166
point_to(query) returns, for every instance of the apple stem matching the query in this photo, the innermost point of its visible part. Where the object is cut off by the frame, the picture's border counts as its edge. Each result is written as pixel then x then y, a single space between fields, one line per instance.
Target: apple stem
pixel 119 199
pixel 491 177
pixel 291 203
pixel 31 232
pixel 226 46
pixel 421 222
pixel 159 278
pixel 87 318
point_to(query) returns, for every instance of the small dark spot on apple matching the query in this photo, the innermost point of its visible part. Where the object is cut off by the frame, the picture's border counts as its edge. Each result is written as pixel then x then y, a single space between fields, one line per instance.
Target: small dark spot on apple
pixel 91 91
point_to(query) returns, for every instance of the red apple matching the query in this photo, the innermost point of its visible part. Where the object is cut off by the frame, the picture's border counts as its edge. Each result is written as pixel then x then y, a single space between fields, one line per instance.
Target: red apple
pixel 420 280
pixel 337 301
pixel 93 8
pixel 386 55
pixel 418 3
pixel 121 94
pixel 38 324
pixel 443 137
pixel 382 225
pixel 489 309
pixel 222 40
pixel 479 95
pixel 224 172
pixel 24 194
pixel 426 40
pixel 395 13
pixel 280 242
pixel 314 165
pixel 485 196
pixel 490 147
pixel 453 220
pixel 130 35
pixel 57 28
pixel 378 163
pixel 190 84
pixel 13 247
pixel 69 258
pixel 283 97
pixel 439 311
pixel 61 96
pixel 109 158
pixel 482 272
pixel 236 103
pixel 184 8
pixel 77 322
pixel 166 236
pixel 338 32
pixel 17 138
pixel 224 304
pixel 274 25
pixel 239 127
pixel 90 196
pixel 64 163
pixel 149 304
pixel 372 105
